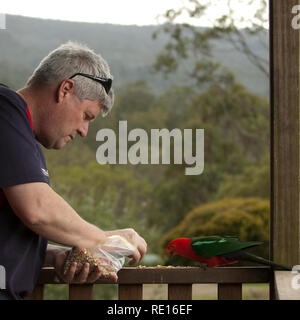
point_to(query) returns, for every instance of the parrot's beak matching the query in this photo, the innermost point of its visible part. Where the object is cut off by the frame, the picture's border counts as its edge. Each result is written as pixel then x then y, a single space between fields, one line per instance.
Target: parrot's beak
pixel 170 251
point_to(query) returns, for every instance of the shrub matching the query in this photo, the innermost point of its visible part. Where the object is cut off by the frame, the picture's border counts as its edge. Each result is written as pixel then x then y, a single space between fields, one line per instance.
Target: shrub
pixel 246 218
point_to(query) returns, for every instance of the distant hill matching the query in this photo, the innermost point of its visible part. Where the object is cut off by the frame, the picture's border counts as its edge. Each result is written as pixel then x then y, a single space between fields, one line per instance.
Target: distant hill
pixel 129 50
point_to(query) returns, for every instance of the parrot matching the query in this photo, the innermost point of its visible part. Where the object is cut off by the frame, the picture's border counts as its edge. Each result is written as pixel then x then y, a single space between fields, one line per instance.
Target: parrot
pixel 214 251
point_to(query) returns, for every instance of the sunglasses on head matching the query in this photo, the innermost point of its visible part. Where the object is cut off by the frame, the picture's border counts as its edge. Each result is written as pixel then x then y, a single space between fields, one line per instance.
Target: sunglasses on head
pixel 105 82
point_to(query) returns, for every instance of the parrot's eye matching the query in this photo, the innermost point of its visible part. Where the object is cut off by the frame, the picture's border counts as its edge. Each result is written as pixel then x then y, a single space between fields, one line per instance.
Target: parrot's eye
pixel 173 246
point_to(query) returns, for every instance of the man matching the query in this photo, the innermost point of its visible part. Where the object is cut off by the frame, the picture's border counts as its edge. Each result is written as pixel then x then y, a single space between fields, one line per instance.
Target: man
pixel 69 88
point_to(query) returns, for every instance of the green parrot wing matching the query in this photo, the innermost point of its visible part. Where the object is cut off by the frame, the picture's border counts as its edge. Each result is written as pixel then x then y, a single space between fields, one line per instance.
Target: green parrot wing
pixel 208 247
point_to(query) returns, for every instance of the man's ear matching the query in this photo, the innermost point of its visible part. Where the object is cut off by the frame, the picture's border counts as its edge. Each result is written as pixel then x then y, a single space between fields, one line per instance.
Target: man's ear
pixel 65 88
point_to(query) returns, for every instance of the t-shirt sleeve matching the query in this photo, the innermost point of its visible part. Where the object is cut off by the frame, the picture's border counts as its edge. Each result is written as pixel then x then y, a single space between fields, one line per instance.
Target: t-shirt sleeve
pixel 20 154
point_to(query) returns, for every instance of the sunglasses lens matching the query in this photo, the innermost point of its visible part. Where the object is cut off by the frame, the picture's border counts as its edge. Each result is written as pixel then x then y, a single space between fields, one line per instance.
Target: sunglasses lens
pixel 105 82
pixel 108 85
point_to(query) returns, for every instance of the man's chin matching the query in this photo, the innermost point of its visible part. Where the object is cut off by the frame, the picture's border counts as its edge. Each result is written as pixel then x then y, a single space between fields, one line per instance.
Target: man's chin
pixel 60 145
pixel 57 147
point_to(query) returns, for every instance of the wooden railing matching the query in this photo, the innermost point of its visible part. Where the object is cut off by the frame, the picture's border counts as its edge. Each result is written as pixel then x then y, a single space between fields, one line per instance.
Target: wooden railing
pixel 178 279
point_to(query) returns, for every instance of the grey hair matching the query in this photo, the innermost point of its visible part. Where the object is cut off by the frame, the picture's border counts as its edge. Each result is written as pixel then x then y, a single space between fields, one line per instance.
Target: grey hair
pixel 71 58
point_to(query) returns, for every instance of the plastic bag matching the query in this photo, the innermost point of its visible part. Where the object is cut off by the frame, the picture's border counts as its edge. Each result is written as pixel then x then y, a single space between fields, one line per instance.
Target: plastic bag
pixel 113 252
pixel 109 256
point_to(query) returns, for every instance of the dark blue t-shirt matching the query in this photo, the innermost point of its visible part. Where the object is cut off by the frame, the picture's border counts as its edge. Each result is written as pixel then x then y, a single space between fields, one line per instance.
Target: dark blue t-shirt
pixel 22 251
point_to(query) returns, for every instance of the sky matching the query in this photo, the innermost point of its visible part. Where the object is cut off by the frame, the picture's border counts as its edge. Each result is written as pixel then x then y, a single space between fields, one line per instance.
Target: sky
pixel 124 12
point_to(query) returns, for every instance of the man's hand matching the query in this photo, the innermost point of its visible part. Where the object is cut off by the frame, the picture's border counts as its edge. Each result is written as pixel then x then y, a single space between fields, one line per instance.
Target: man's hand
pixel 59 255
pixel 135 239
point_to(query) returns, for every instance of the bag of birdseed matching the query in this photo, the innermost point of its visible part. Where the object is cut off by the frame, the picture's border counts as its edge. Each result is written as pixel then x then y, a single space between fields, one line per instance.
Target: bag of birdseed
pixel 114 250
pixel 109 256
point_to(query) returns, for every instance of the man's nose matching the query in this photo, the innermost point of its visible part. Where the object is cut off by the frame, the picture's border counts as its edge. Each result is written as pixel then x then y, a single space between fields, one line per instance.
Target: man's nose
pixel 84 129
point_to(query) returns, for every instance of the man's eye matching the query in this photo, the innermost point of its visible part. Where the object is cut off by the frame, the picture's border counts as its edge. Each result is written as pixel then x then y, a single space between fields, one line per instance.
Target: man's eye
pixel 89 117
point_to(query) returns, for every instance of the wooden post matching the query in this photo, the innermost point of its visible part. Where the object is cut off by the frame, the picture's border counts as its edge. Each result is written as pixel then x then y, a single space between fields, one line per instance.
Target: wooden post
pixel 229 291
pixel 285 116
pixel 37 293
pixel 180 292
pixel 81 292
pixel 130 291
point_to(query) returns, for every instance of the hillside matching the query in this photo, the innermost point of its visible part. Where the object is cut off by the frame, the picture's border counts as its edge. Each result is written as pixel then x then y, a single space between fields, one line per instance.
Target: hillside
pixel 130 51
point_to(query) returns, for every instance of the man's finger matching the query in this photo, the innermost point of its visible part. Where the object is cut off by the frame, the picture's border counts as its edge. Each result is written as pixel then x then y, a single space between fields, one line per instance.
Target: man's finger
pixel 69 276
pixel 144 242
pixel 114 277
pixel 136 256
pixel 94 275
pixel 83 275
pixel 142 250
pixel 139 254
pixel 98 272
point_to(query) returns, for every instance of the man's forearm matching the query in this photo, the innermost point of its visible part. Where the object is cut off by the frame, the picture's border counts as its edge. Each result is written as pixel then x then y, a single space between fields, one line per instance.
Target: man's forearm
pixel 49 215
pixel 50 254
pixel 60 223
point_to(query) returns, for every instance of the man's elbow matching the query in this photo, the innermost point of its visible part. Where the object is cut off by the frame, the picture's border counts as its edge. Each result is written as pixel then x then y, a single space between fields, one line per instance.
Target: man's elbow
pixel 33 219
pixel 33 216
pixel 30 202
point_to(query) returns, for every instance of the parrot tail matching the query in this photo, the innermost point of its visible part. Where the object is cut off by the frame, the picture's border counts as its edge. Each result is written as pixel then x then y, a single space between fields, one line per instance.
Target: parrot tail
pixel 243 255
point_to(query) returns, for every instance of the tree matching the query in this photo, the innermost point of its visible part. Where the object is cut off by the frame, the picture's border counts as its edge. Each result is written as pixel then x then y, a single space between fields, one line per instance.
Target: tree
pixel 233 118
pixel 254 181
pixel 235 123
pixel 187 40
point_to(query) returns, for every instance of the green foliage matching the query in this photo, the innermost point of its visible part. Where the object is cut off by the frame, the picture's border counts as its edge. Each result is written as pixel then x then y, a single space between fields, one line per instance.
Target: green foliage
pixel 57 292
pixel 254 181
pixel 236 140
pixel 172 106
pixel 235 124
pixel 179 193
pixel 108 196
pixel 246 218
pixel 134 97
pixel 233 119
pixel 100 292
pixel 76 153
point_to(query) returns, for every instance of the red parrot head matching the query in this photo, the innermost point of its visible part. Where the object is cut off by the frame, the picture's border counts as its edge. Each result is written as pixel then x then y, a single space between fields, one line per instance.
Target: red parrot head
pixel 178 246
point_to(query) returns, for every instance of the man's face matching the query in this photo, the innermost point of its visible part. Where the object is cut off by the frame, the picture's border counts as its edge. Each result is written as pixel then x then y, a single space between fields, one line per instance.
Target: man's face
pixel 75 120
pixel 70 117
